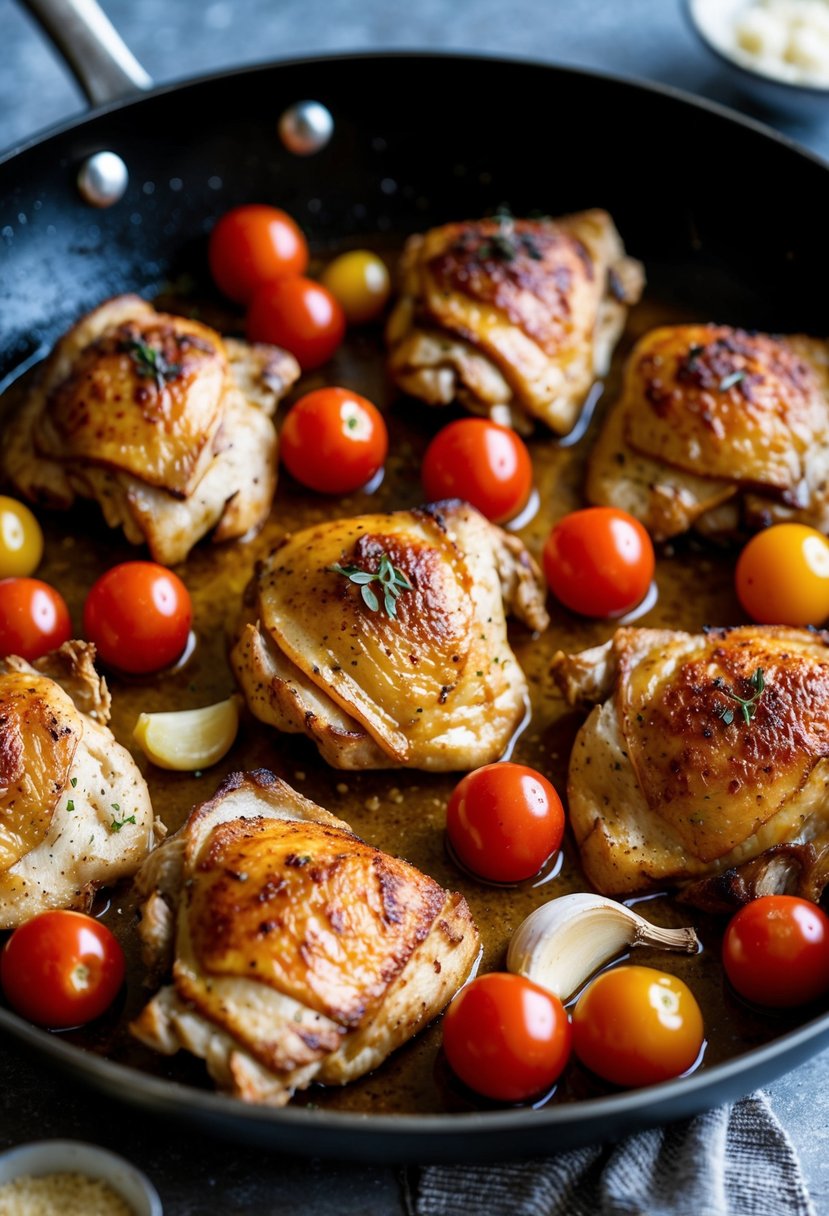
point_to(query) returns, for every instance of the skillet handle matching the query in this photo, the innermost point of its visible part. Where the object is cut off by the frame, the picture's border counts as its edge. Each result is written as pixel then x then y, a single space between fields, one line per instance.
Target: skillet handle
pixel 101 61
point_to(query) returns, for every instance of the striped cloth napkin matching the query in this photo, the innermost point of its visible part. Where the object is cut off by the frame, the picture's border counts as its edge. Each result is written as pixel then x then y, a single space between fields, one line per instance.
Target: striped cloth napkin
pixel 733 1161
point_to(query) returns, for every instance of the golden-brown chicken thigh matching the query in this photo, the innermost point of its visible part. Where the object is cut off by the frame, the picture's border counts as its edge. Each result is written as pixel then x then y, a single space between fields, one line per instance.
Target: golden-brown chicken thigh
pixel 720 430
pixel 513 318
pixel 383 638
pixel 298 952
pixel 706 758
pixel 75 811
pixel 160 420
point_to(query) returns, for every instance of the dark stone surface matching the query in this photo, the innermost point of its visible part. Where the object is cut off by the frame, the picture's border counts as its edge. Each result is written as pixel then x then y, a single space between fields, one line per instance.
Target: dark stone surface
pixel 175 40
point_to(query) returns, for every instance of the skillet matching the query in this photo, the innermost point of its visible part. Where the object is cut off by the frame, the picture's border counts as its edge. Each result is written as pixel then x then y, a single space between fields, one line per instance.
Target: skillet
pixel 716 206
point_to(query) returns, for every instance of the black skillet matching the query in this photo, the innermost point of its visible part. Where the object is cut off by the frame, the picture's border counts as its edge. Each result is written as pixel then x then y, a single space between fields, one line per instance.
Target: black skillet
pixel 716 206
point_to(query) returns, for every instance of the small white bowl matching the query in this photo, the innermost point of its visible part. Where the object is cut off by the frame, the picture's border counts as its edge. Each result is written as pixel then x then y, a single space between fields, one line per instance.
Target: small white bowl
pixel 712 20
pixel 76 1157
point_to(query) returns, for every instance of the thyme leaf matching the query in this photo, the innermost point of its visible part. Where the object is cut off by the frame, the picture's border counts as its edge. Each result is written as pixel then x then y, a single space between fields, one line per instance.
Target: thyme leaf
pixel 747 705
pixel 730 380
pixel 151 362
pixel 392 581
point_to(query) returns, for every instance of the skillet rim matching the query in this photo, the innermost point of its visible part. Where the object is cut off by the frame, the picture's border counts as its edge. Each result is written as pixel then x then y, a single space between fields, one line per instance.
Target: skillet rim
pixel 635 83
pixel 449 1136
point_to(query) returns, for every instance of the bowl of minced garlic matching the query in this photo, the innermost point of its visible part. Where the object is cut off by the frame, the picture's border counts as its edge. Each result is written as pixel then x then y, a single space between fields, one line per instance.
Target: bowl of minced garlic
pixel 71 1178
pixel 777 50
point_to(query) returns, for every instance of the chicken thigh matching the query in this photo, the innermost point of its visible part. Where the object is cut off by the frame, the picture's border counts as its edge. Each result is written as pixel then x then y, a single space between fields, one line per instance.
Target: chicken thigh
pixel 705 758
pixel 160 420
pixel 383 638
pixel 718 430
pixel 513 318
pixel 75 812
pixel 298 952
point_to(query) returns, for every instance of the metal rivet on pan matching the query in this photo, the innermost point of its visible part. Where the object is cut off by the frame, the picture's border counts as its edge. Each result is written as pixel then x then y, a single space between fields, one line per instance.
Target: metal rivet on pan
pixel 102 179
pixel 306 127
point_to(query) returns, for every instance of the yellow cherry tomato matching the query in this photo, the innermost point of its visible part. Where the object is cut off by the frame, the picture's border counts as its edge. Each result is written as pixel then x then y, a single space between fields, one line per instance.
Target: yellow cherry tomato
pixel 360 282
pixel 782 576
pixel 637 1026
pixel 21 540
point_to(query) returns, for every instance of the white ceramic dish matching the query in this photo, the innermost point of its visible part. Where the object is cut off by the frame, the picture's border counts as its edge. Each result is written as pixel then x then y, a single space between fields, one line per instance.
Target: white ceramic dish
pixel 74 1156
pixel 712 20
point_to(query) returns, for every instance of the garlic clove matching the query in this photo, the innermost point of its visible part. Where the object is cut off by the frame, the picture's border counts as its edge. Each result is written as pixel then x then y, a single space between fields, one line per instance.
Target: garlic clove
pixel 566 940
pixel 189 739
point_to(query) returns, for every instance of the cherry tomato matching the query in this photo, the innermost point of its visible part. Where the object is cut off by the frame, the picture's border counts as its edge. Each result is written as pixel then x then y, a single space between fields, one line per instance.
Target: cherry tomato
pixel 776 951
pixel 300 315
pixel 506 1037
pixel 782 576
pixel 61 969
pixel 599 561
pixel 34 618
pixel 252 245
pixel 360 281
pixel 333 441
pixel 483 463
pixel 21 539
pixel 504 821
pixel 138 615
pixel 637 1026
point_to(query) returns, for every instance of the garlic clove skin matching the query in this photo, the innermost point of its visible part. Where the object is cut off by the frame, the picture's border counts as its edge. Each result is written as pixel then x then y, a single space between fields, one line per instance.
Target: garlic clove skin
pixel 562 943
pixel 189 739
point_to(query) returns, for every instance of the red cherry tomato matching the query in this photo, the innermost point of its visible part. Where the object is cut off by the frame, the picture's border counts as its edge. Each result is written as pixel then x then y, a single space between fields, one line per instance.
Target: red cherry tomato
pixel 34 618
pixel 138 615
pixel 599 561
pixel 483 463
pixel 333 441
pixel 776 951
pixel 61 969
pixel 504 821
pixel 300 315
pixel 252 245
pixel 637 1026
pixel 506 1037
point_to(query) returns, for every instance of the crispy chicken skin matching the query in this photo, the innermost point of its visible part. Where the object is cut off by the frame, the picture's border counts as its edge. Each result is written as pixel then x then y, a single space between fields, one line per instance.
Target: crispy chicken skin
pixel 719 430
pixel 160 420
pixel 298 952
pixel 513 318
pixel 434 686
pixel 670 780
pixel 75 812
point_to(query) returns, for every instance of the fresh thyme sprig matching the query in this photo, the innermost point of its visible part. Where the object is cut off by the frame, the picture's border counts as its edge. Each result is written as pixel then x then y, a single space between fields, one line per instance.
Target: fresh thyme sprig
pixel 748 705
pixel 506 244
pixel 151 362
pixel 391 580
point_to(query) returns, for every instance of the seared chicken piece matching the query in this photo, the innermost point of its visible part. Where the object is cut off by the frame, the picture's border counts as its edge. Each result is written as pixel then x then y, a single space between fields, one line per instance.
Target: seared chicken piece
pixel 159 419
pixel 513 318
pixel 706 760
pixel 75 811
pixel 718 430
pixel 298 952
pixel 398 657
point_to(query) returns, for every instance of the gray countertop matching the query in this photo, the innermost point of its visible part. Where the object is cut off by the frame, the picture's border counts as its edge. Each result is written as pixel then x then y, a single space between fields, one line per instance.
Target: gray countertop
pixel 174 40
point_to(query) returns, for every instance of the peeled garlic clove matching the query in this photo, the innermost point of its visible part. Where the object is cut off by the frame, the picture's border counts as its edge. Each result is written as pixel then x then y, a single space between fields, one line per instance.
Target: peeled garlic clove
pixel 189 739
pixel 565 941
